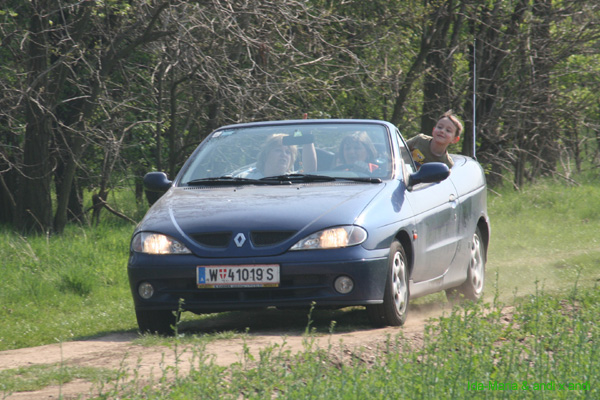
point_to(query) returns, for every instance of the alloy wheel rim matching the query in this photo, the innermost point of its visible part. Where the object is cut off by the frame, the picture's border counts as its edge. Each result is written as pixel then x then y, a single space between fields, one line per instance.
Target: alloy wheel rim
pixel 399 283
pixel 476 265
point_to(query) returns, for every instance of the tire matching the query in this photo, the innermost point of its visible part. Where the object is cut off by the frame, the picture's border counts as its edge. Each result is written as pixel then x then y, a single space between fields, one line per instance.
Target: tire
pixel 472 288
pixel 158 321
pixel 395 298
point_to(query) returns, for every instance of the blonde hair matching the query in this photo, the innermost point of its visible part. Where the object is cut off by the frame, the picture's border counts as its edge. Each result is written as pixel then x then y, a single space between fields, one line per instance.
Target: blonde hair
pixel 272 142
pixel 455 121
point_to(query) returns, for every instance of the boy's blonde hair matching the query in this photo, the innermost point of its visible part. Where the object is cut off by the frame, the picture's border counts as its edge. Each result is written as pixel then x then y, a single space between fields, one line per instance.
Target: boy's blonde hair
pixel 455 121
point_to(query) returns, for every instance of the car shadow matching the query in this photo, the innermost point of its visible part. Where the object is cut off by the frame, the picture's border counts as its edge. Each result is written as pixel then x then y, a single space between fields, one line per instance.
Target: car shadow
pixel 274 321
pixel 280 322
pixel 292 322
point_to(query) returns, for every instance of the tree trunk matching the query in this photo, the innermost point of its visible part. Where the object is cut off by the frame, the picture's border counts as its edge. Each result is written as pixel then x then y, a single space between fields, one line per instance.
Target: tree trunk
pixel 8 204
pixel 34 199
pixel 437 87
pixel 63 190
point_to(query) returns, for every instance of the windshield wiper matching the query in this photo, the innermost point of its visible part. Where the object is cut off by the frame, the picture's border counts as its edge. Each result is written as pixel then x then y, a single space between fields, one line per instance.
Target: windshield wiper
pixel 287 179
pixel 366 179
pixel 318 178
pixel 298 178
pixel 227 180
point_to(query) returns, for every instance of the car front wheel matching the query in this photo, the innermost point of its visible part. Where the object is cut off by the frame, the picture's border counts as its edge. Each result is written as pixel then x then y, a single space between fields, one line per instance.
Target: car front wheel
pixel 395 299
pixel 472 288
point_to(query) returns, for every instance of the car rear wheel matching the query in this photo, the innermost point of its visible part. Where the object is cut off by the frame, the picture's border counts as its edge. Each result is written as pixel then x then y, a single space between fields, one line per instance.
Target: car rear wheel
pixel 157 321
pixel 395 298
pixel 472 288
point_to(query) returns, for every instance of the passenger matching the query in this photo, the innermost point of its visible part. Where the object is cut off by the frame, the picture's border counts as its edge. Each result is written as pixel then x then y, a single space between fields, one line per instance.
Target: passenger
pixel 432 148
pixel 275 158
pixel 357 151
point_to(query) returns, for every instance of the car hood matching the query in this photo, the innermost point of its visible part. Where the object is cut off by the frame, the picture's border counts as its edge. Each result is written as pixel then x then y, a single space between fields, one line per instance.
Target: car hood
pixel 209 219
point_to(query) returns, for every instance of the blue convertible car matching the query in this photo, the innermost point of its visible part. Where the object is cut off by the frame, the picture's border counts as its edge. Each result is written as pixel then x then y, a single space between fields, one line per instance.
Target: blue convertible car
pixel 291 213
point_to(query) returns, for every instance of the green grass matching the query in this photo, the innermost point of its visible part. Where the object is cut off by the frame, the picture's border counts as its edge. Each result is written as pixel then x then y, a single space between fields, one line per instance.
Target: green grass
pixel 39 376
pixel 546 347
pixel 545 233
pixel 64 287
pixel 544 258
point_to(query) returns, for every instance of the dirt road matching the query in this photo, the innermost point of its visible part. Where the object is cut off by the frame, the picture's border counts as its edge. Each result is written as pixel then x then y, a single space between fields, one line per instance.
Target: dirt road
pixel 265 328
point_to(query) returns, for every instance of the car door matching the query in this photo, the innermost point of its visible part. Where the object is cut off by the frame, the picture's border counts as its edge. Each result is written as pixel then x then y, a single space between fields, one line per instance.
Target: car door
pixel 436 232
pixel 436 220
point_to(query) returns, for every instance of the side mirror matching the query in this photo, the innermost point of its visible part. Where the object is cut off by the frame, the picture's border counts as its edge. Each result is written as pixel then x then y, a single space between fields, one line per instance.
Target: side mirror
pixel 156 184
pixel 429 173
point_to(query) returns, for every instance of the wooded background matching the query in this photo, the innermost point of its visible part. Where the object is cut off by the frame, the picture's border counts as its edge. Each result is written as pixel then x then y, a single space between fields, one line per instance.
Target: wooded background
pixel 94 94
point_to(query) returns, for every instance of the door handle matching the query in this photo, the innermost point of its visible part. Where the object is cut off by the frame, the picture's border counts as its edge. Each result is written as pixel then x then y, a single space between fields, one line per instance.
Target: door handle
pixel 453 203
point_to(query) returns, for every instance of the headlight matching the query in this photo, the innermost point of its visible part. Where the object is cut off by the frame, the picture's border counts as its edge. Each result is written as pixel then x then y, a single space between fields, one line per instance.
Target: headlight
pixel 156 243
pixel 333 238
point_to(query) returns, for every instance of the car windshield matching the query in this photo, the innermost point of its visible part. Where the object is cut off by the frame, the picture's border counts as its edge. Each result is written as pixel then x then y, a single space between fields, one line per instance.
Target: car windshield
pixel 303 151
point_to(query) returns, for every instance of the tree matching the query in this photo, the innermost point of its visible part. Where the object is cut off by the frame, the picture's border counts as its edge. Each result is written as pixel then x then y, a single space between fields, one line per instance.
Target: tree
pixel 73 48
pixel 520 102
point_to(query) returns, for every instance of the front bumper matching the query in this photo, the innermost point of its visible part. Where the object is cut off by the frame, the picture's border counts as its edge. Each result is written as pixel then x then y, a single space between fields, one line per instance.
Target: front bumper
pixel 303 280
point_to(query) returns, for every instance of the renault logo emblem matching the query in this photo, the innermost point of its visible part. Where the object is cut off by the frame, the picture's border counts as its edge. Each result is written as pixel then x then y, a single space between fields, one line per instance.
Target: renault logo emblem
pixel 239 239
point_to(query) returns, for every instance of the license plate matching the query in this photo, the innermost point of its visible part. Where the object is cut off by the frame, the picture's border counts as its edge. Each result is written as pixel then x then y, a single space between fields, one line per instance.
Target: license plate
pixel 230 276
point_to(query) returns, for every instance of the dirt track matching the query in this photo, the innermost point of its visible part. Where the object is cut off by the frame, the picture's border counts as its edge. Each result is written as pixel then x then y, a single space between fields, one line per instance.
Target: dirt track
pixel 265 328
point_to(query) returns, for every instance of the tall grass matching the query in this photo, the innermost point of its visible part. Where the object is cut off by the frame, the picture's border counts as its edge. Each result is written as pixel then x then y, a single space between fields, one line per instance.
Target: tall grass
pixel 546 347
pixel 63 287
pixel 545 233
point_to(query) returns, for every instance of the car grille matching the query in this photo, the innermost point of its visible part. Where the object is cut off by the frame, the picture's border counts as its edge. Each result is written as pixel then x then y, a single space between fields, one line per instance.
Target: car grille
pixel 213 239
pixel 269 238
pixel 259 238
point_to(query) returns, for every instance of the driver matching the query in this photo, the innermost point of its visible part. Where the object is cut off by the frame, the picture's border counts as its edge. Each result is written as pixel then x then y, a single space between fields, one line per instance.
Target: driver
pixel 276 158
